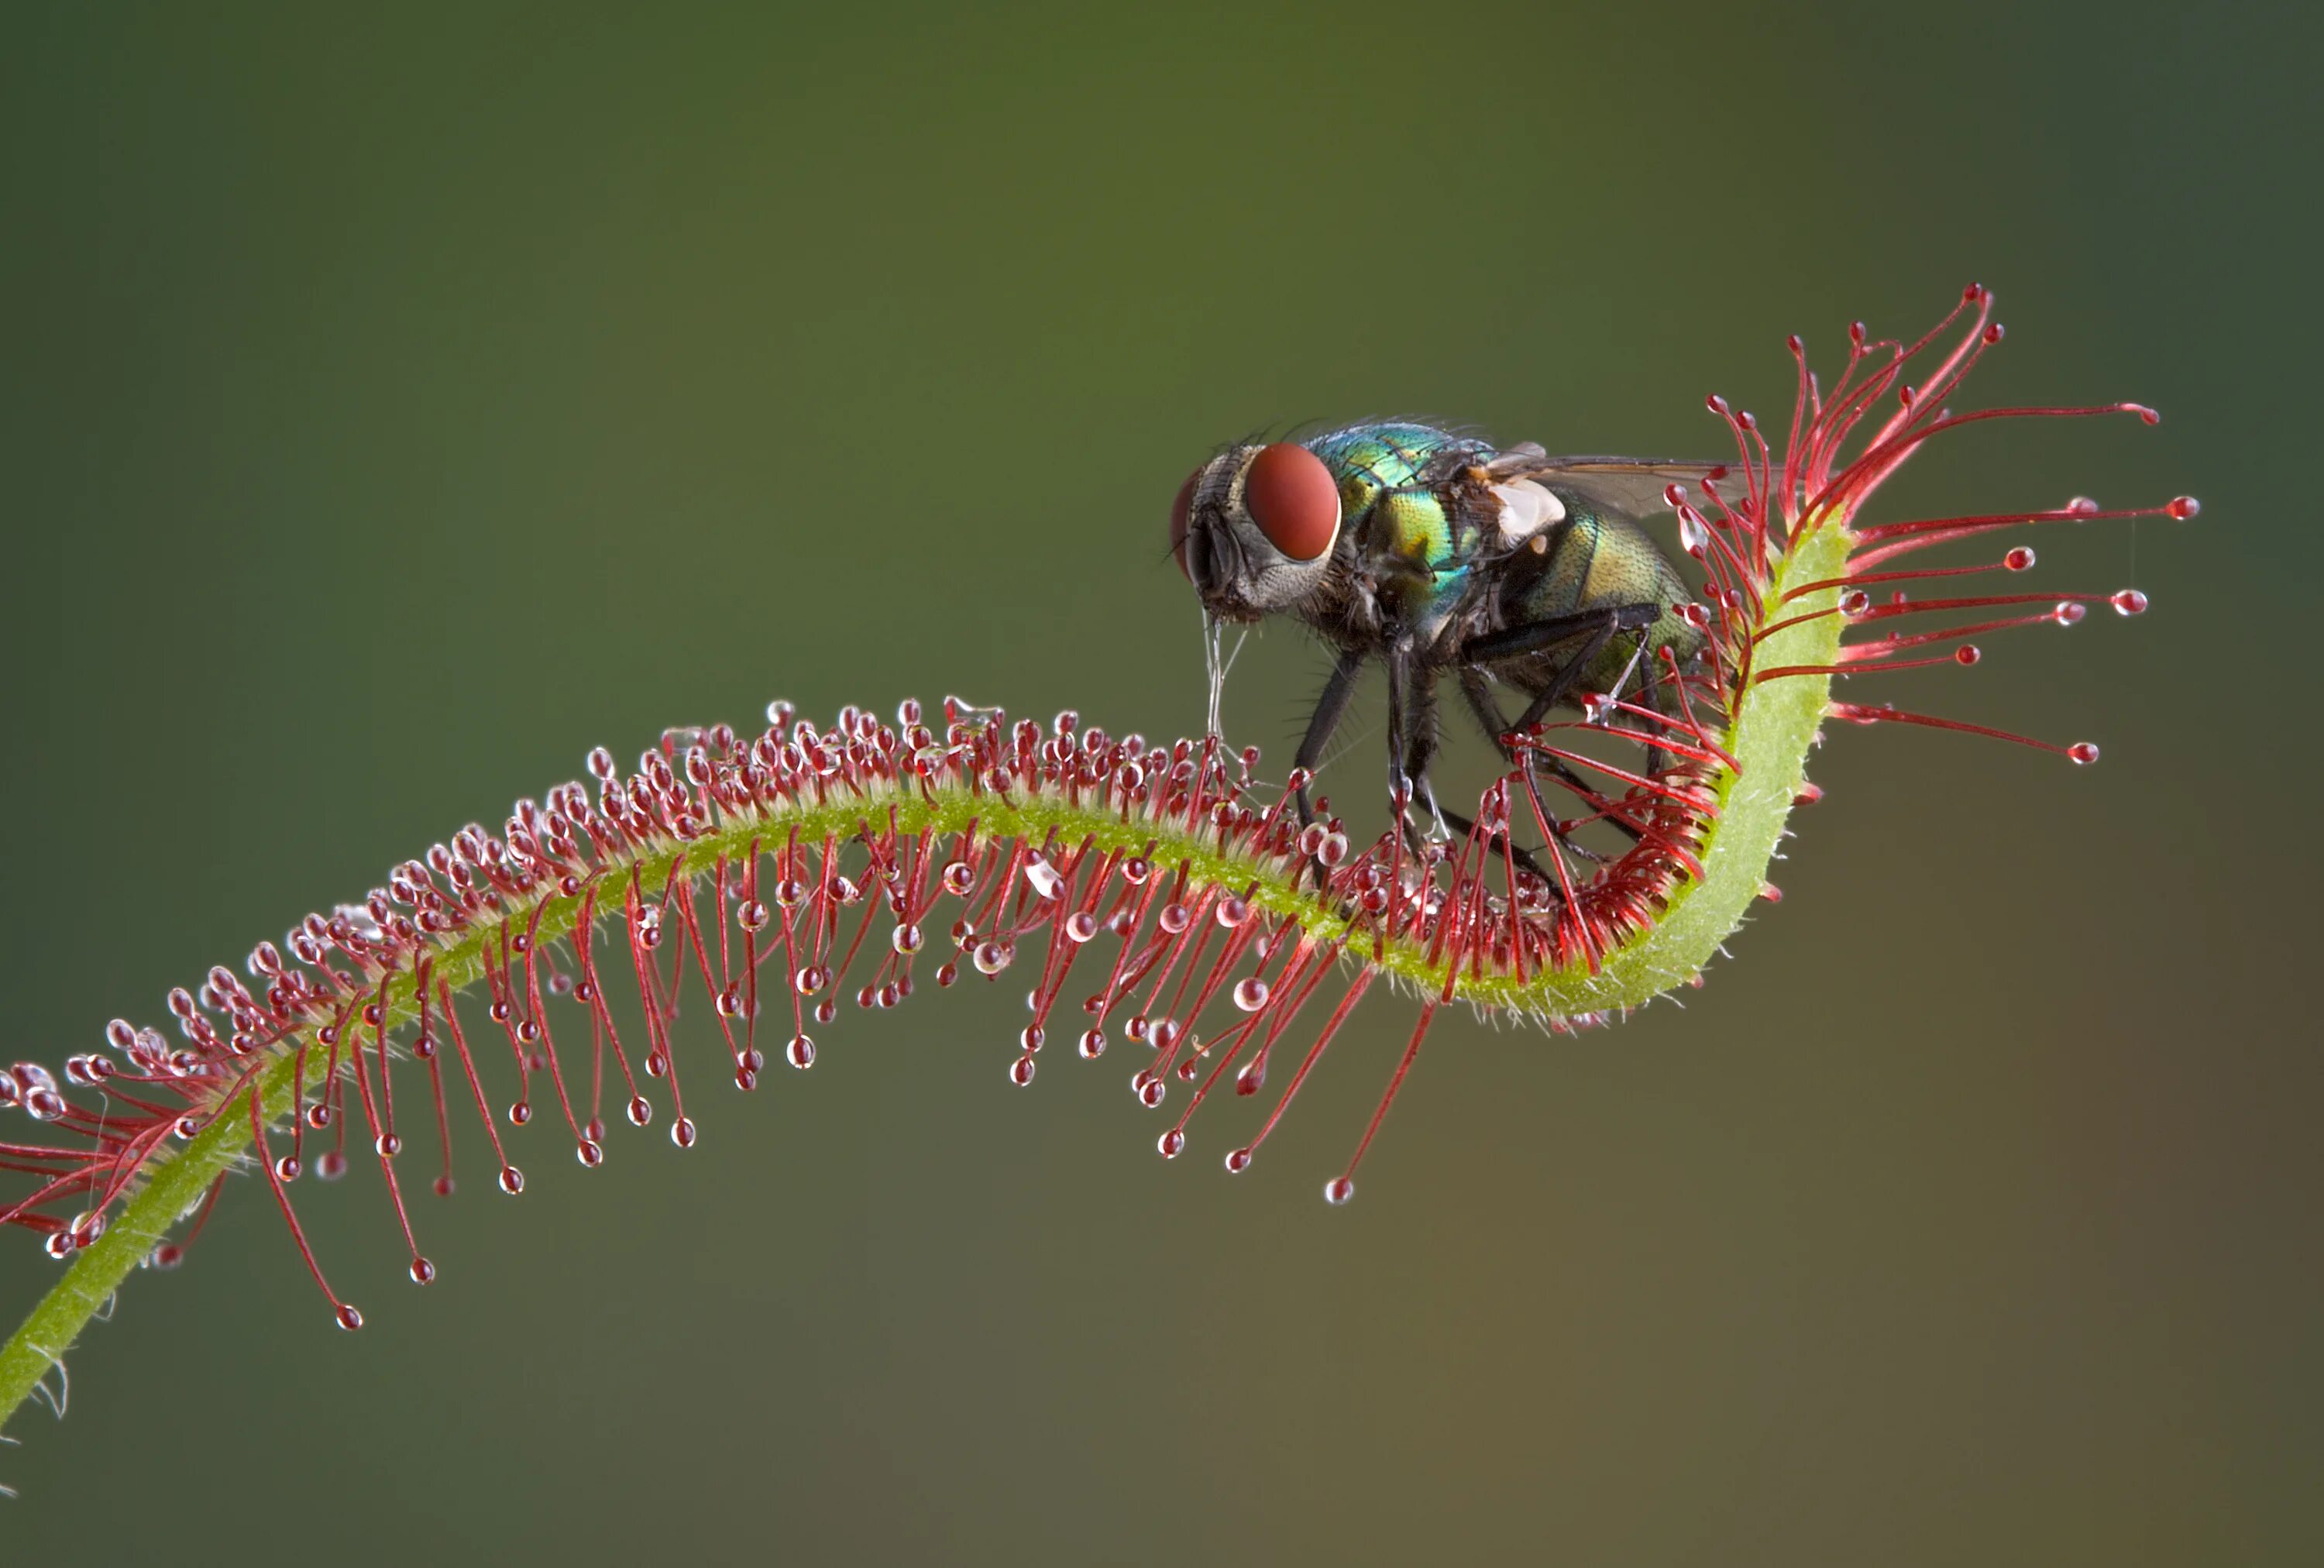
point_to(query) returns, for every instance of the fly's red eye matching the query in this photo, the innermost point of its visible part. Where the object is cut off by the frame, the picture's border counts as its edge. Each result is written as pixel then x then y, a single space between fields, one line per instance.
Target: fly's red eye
pixel 1294 498
pixel 1178 509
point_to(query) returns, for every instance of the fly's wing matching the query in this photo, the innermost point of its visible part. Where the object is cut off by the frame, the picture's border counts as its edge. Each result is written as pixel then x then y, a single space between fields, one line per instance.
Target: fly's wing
pixel 1629 487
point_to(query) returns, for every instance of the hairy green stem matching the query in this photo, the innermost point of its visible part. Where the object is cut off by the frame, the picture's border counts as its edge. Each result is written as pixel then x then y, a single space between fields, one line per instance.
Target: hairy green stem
pixel 1774 724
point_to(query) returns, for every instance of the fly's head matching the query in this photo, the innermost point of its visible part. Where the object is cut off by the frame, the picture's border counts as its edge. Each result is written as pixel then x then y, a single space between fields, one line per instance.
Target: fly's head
pixel 1255 530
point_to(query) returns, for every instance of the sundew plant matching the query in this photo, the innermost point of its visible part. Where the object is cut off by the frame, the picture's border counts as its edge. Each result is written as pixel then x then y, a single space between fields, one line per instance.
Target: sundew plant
pixel 1164 902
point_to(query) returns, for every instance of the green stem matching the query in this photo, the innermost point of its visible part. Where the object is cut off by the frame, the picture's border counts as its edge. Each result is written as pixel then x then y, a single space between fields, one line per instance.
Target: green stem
pixel 1774 725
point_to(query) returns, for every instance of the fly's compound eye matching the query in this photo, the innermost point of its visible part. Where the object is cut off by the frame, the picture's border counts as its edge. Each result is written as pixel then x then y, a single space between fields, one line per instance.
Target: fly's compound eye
pixel 1294 498
pixel 1178 509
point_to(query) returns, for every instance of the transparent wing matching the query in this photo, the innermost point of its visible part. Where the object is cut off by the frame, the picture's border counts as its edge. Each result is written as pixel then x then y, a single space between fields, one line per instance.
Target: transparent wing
pixel 1629 487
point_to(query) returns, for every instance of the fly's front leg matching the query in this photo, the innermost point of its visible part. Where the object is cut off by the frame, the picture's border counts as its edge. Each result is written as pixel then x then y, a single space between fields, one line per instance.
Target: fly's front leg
pixel 1330 708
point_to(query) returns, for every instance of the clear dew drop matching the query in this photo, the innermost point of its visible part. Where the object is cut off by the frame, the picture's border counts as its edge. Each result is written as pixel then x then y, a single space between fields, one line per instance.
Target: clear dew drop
pixel 906 939
pixel 2082 752
pixel 1080 926
pixel 989 958
pixel 1238 1161
pixel 1250 993
pixel 285 1168
pixel 1020 1070
pixel 800 1052
pixel 1092 1045
pixel 590 1153
pixel 423 1272
pixel 330 1165
pixel 1171 1144
pixel 2129 601
pixel 682 1133
pixel 640 1111
pixel 349 1318
pixel 511 1180
pixel 1337 1191
pixel 1046 883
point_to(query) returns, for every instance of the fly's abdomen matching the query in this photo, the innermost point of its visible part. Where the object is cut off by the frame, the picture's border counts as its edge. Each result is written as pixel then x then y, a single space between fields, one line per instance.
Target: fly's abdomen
pixel 1596 563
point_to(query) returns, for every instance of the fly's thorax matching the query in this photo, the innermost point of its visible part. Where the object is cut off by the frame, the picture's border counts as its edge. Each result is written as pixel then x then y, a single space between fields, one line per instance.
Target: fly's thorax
pixel 1410 532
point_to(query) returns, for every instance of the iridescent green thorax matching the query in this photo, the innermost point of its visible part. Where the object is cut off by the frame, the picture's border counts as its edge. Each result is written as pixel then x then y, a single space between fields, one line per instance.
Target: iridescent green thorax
pixel 1387 474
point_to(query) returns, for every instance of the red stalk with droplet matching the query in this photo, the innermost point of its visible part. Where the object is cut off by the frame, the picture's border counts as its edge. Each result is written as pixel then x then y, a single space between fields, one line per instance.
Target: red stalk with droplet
pixel 1222 903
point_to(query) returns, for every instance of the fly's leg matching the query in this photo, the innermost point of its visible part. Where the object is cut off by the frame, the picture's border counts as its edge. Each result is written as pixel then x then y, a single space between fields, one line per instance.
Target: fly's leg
pixel 1330 709
pixel 1489 715
pixel 1498 731
pixel 1597 628
pixel 1412 739
pixel 1650 698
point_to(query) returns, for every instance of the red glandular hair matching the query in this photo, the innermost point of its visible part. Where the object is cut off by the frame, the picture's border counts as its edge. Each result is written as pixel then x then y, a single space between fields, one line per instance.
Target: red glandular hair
pixel 1161 899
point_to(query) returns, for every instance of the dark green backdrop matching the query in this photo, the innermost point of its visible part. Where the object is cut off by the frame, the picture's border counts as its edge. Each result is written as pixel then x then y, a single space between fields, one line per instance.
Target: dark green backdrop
pixel 394 408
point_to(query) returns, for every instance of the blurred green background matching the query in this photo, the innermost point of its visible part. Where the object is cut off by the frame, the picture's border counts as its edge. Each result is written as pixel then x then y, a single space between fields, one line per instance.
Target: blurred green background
pixel 398 402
